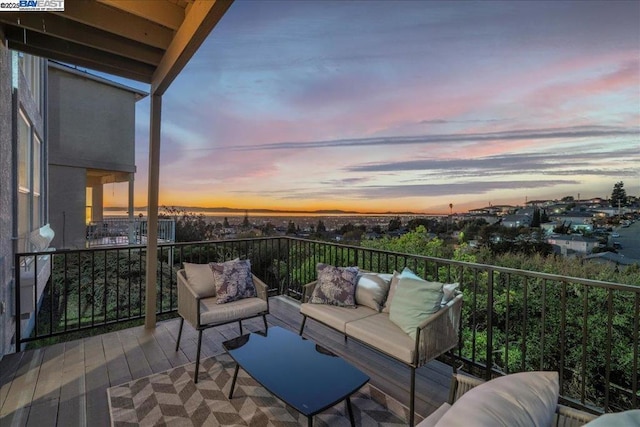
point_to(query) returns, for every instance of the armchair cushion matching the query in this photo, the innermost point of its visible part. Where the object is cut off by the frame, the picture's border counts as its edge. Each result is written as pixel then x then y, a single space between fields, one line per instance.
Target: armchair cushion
pixel 233 280
pixel 414 301
pixel 522 399
pixel 200 279
pixel 336 286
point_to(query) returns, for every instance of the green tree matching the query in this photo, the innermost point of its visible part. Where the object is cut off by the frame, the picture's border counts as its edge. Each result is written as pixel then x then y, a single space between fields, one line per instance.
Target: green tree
pixel 291 228
pixel 618 195
pixel 190 227
pixel 225 223
pixel 321 228
pixel 394 224
pixel 245 221
pixel 535 220
pixel 544 218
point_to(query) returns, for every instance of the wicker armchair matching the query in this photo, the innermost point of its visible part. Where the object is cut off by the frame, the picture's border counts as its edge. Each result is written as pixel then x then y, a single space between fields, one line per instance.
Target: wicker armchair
pixel 204 313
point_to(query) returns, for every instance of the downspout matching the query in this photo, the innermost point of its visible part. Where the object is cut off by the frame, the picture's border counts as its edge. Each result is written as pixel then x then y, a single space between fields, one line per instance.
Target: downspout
pixel 152 211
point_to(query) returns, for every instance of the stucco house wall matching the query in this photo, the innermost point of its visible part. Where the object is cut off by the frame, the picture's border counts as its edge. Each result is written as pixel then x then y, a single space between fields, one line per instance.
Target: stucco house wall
pixel 6 200
pixel 91 131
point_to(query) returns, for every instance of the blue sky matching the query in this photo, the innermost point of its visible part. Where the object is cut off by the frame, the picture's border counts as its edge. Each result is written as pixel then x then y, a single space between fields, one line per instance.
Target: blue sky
pixel 403 105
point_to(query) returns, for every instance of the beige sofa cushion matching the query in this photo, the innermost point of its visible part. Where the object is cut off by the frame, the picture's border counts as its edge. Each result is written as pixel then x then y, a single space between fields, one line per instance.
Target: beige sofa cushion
pixel 334 316
pixel 381 333
pixel 372 289
pixel 212 312
pixel 392 290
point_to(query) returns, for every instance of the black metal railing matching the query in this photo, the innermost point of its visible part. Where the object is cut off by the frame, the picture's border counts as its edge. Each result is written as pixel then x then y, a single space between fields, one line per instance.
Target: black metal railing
pixel 513 320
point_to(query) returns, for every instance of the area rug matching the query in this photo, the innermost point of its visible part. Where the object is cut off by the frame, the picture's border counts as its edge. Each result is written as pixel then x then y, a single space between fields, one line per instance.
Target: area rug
pixel 171 398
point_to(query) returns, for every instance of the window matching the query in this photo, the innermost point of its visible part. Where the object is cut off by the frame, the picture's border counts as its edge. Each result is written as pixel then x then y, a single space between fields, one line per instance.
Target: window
pixel 24 175
pixel 32 69
pixel 89 205
pixel 30 206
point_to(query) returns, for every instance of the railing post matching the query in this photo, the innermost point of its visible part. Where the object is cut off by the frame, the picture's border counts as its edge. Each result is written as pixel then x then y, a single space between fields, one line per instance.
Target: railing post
pixel 16 269
pixel 489 366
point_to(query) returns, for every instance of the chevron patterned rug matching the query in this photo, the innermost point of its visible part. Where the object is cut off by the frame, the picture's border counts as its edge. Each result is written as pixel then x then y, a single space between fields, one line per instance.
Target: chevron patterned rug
pixel 171 398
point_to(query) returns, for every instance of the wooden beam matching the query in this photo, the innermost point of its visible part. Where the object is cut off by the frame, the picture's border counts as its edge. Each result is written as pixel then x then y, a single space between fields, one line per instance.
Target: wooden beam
pixel 72 53
pixel 152 212
pixel 201 19
pixel 117 22
pixel 163 12
pixel 58 27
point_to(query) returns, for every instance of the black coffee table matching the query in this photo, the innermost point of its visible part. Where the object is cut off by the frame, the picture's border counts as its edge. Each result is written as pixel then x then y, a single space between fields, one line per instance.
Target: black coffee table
pixel 299 372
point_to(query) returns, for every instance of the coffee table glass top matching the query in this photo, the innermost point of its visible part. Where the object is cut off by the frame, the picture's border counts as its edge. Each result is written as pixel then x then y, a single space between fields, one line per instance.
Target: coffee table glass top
pixel 296 370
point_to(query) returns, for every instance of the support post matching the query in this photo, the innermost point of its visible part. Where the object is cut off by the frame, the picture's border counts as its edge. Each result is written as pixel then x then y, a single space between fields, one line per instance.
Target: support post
pixel 132 229
pixel 152 212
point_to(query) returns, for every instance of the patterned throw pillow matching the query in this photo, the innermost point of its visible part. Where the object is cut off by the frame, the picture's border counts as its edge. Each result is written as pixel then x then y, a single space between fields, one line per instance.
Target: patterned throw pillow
pixel 336 286
pixel 233 280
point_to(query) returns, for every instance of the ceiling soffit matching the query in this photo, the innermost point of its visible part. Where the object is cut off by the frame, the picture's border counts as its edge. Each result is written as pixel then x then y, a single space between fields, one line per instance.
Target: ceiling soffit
pixel 144 40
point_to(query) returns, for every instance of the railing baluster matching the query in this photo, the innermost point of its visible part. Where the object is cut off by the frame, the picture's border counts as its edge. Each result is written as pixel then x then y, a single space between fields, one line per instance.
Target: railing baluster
pixel 525 321
pixel 636 356
pixel 506 327
pixel 563 326
pixel 608 350
pixel 585 334
pixel 489 355
pixel 543 317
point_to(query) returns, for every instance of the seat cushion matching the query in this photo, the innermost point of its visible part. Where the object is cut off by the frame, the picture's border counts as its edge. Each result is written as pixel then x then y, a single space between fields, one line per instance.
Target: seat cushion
pixel 381 333
pixel 212 312
pixel 335 317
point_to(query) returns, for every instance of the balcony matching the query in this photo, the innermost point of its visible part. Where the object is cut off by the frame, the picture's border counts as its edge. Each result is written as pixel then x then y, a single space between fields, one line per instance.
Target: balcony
pixel 123 232
pixel 586 330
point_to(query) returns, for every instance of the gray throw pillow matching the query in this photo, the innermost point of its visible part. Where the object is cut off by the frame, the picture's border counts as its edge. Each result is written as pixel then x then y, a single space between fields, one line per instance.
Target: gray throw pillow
pixel 336 286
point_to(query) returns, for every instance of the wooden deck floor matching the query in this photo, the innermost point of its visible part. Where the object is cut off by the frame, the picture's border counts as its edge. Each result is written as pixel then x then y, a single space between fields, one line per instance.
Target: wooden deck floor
pixel 65 384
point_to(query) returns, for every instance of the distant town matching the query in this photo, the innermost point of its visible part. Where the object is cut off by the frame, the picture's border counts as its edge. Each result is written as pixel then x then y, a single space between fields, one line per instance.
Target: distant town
pixel 601 229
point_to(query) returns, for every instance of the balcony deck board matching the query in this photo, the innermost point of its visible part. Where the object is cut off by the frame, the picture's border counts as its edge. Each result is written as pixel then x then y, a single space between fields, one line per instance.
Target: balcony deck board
pixel 65 384
pixel 72 408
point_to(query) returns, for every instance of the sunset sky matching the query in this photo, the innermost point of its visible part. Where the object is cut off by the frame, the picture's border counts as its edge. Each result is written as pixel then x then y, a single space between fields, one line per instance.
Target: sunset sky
pixel 395 106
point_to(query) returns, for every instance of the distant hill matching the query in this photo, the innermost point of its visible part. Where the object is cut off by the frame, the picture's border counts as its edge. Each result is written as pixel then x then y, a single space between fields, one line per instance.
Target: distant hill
pixel 223 209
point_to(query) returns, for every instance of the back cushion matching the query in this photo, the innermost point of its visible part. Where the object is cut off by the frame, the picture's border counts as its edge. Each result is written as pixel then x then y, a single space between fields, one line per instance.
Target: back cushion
pixel 200 278
pixel 517 400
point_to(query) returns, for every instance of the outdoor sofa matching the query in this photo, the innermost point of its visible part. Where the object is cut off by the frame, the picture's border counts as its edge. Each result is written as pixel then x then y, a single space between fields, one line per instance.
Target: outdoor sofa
pixel 369 315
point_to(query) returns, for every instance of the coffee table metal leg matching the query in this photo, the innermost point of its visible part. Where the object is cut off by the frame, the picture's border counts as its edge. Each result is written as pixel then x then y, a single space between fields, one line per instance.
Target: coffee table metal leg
pixel 350 411
pixel 233 383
